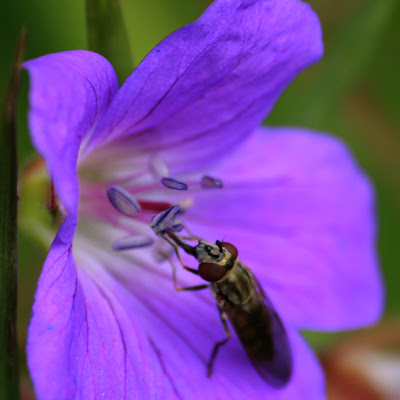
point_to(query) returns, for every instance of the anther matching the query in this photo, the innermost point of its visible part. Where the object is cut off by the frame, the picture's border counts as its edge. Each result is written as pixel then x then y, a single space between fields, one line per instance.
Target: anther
pixel 166 221
pixel 123 201
pixel 158 167
pixel 129 242
pixel 173 184
pixel 208 182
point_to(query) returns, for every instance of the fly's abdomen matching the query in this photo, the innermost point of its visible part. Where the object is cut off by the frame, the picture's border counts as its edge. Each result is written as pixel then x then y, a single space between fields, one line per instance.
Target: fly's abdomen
pixel 264 338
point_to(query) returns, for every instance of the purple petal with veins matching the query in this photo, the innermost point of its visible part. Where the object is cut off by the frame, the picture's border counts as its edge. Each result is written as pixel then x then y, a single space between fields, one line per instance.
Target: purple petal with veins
pixel 109 324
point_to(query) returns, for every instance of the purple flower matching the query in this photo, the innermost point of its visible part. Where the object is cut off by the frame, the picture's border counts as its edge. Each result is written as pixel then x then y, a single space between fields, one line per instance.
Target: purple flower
pixel 109 324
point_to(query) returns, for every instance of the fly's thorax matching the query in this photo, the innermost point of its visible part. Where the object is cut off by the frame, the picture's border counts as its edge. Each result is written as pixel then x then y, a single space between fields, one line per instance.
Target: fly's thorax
pixel 234 288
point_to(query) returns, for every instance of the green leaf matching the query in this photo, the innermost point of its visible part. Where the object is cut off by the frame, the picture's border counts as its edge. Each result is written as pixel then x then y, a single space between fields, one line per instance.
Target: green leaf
pixel 348 55
pixel 8 239
pixel 107 34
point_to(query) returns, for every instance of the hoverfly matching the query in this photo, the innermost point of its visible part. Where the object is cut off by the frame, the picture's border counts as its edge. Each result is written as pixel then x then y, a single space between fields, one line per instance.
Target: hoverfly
pixel 240 298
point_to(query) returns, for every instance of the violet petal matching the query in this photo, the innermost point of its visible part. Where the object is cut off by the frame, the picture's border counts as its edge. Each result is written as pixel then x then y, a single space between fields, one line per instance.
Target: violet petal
pixel 81 343
pixel 182 329
pixel 69 94
pixel 301 213
pixel 213 81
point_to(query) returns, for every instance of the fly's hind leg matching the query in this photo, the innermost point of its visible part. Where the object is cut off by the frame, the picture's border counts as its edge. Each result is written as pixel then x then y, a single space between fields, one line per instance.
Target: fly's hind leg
pixel 217 345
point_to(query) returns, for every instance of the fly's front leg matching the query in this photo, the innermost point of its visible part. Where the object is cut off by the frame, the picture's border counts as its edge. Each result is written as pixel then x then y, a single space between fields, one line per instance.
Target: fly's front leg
pixel 192 270
pixel 181 289
pixel 191 237
pixel 217 345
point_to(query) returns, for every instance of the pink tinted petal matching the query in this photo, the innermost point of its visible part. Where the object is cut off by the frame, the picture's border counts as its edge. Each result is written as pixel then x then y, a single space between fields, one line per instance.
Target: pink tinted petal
pixel 209 84
pixel 69 94
pixel 183 327
pixel 301 213
pixel 82 344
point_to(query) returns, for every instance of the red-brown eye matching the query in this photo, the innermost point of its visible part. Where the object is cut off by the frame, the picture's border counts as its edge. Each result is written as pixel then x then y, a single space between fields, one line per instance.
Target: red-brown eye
pixel 231 248
pixel 211 272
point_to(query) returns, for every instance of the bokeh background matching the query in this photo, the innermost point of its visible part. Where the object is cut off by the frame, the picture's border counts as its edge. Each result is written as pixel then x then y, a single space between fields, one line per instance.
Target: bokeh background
pixel 354 93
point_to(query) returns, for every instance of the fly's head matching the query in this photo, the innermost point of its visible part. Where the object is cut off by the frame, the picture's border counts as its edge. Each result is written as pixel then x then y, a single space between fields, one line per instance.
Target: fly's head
pixel 215 260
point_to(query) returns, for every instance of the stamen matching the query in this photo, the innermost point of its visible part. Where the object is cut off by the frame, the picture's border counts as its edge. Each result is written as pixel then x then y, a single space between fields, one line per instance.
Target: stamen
pixel 165 221
pixel 208 182
pixel 173 184
pixel 176 227
pixel 129 242
pixel 123 201
pixel 158 167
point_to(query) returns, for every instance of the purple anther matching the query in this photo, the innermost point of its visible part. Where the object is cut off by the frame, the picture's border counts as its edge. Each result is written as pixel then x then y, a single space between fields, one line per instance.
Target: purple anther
pixel 132 242
pixel 173 184
pixel 123 201
pixel 176 227
pixel 166 221
pixel 208 182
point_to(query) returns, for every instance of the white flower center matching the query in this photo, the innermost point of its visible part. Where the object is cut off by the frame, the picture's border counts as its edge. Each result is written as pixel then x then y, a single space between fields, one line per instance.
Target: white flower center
pixel 119 196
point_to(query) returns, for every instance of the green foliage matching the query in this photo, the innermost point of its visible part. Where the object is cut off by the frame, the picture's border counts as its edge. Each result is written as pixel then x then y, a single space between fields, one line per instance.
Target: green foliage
pixel 107 34
pixel 8 236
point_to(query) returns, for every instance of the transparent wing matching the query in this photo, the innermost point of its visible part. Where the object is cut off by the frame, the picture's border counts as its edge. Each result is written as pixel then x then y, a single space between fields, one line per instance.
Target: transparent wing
pixel 263 336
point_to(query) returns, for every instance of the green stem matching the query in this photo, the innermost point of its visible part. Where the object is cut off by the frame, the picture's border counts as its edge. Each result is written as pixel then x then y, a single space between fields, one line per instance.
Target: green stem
pixel 8 239
pixel 107 34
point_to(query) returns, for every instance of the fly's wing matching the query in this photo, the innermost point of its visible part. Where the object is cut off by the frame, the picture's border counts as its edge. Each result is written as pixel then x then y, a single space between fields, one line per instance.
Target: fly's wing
pixel 263 336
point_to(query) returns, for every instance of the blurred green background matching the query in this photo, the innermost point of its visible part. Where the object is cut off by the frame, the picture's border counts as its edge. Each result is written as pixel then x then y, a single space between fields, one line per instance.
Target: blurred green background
pixel 354 93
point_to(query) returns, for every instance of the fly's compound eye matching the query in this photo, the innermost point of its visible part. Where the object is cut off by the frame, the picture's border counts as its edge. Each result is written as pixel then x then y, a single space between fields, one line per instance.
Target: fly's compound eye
pixel 211 272
pixel 231 248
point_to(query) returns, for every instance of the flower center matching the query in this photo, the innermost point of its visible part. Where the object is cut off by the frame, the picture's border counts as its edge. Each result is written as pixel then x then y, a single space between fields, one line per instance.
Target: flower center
pixel 128 202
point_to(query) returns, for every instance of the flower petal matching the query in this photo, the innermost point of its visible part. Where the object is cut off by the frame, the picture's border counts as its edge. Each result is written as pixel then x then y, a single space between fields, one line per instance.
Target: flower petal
pixel 307 381
pixel 208 85
pixel 182 329
pixel 69 94
pixel 301 213
pixel 81 344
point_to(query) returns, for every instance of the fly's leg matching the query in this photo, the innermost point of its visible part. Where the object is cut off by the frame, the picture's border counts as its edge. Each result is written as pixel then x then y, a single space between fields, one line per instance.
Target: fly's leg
pixel 192 270
pixel 217 345
pixel 181 289
pixel 191 237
